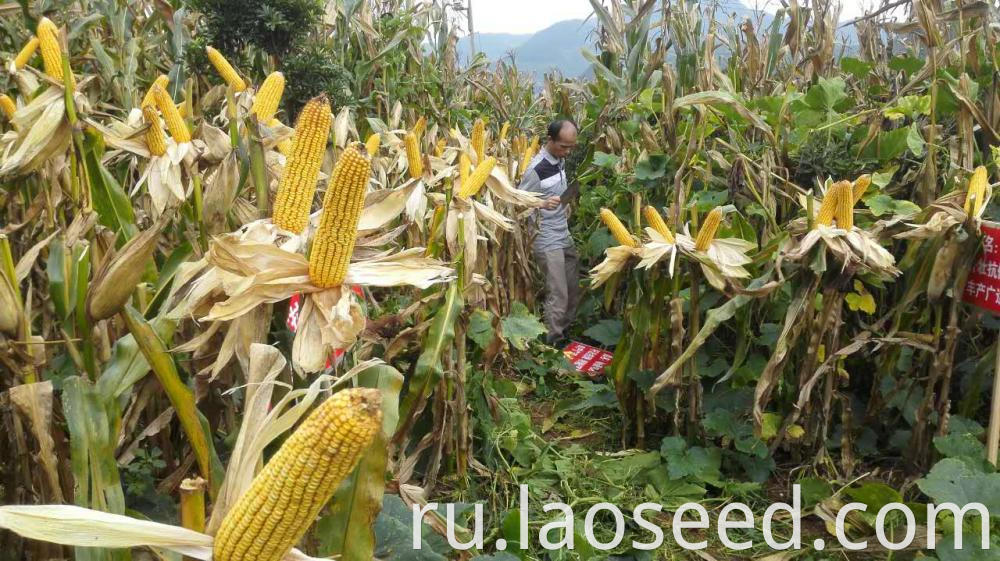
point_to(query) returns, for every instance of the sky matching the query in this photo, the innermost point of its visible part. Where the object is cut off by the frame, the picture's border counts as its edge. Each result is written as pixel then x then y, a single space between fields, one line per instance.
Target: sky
pixel 529 16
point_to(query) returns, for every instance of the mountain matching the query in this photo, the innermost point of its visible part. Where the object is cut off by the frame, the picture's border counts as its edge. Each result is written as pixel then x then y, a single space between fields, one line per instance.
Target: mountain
pixel 555 47
pixel 559 46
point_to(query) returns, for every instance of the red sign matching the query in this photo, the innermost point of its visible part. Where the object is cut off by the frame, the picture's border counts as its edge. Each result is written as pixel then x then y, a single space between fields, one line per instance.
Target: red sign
pixel 295 306
pixel 589 360
pixel 983 287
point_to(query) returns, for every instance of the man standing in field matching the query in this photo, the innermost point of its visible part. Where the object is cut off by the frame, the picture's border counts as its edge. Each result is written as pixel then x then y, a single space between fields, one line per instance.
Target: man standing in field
pixel 553 247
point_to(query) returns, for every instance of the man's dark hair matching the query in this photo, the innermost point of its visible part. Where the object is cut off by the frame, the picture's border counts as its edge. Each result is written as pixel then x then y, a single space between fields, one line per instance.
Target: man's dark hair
pixel 555 127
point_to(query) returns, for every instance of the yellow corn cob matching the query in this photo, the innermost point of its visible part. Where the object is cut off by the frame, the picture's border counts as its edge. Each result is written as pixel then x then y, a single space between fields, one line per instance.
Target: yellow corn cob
pixel 529 154
pixel 845 208
pixel 519 144
pixel 26 53
pixel 155 140
pixel 418 128
pixel 828 208
pixel 504 130
pixel 439 147
pixel 265 103
pixel 708 229
pixel 656 222
pixel 861 185
pixel 225 69
pixel 479 139
pixel 175 123
pixel 372 144
pixel 288 494
pixel 976 192
pixel 617 229
pixel 298 180
pixel 163 81
pixel 48 40
pixel 338 225
pixel 478 178
pixel 8 106
pixel 284 146
pixel 464 165
pixel 414 161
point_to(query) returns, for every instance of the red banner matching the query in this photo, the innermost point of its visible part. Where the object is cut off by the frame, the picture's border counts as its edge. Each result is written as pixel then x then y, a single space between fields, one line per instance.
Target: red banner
pixel 589 360
pixel 983 287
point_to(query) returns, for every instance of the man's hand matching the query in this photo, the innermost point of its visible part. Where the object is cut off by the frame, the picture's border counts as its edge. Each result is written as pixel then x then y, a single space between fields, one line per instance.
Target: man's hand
pixel 551 203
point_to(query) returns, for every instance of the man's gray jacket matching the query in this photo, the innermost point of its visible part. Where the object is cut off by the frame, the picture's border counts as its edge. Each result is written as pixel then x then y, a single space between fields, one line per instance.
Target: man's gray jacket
pixel 546 175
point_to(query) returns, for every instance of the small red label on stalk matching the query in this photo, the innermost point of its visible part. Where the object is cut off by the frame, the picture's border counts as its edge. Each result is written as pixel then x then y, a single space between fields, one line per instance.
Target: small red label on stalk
pixel 292 321
pixel 589 360
pixel 982 289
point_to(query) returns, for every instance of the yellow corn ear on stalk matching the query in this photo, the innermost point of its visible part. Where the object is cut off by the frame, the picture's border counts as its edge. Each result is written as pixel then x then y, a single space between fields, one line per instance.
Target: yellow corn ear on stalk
pixel 419 127
pixel 10 308
pixel 414 161
pixel 265 103
pixel 708 229
pixel 155 139
pixel 844 214
pixel 338 225
pixel 478 178
pixel 288 494
pixel 175 123
pixel 479 139
pixel 464 168
pixel 529 154
pixel 298 180
pixel 28 51
pixel 828 208
pixel 519 144
pixel 504 130
pixel 225 69
pixel 439 147
pixel 372 144
pixel 8 106
pixel 617 229
pixel 48 40
pixel 163 81
pixel 657 223
pixel 861 185
pixel 284 146
pixel 976 192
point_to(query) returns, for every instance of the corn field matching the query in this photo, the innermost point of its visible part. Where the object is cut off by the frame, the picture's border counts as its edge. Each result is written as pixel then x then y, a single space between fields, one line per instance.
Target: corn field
pixel 267 285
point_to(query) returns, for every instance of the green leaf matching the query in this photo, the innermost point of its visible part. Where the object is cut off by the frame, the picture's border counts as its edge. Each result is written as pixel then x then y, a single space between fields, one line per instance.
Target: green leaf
pixel 428 370
pixel 814 491
pixel 863 301
pixel 394 535
pixel 770 425
pixel 855 66
pixel 915 140
pixel 114 209
pixel 180 396
pixel 892 144
pixel 652 168
pixel 481 329
pixel 827 93
pixel 953 481
pixel 706 200
pixel 881 204
pixel 521 326
pixel 606 332
pixel 603 160
pixel 907 64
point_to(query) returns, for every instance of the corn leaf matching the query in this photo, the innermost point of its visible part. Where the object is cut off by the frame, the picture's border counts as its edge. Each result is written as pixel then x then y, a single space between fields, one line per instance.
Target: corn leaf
pixel 181 397
pixel 428 370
